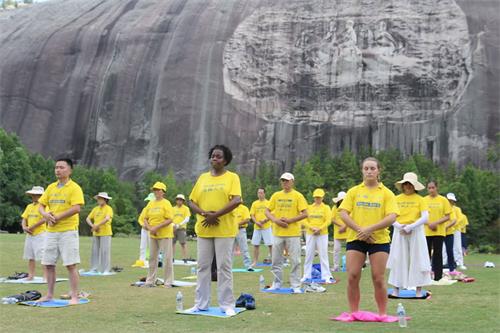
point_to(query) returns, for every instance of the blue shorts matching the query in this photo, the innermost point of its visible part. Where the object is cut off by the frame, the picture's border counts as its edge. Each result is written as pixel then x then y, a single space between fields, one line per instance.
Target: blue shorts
pixel 365 247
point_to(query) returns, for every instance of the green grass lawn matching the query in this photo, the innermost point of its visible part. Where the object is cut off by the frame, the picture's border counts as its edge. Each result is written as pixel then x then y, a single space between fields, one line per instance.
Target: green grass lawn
pixel 116 306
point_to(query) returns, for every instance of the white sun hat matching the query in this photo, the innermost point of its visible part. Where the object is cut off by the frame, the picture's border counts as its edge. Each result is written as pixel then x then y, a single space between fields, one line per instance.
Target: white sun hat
pixel 412 178
pixel 287 176
pixel 180 196
pixel 340 196
pixel 35 190
pixel 451 196
pixel 103 195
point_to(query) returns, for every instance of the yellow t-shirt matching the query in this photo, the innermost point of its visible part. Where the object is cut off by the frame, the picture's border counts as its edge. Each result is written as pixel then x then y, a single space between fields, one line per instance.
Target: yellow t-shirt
pixel 464 224
pixel 258 210
pixel 180 214
pixel 438 206
pixel 141 217
pixel 336 217
pixel 58 200
pixel 32 216
pixel 98 214
pixel 287 205
pixel 156 213
pixel 456 214
pixel 318 217
pixel 410 207
pixel 368 207
pixel 241 213
pixel 212 193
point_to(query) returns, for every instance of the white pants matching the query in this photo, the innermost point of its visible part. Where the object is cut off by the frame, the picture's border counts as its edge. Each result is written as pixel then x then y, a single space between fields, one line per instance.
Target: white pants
pixel 241 238
pixel 223 250
pixel 144 244
pixel 293 245
pixel 319 242
pixel 457 248
pixel 100 260
pixel 337 246
pixel 409 260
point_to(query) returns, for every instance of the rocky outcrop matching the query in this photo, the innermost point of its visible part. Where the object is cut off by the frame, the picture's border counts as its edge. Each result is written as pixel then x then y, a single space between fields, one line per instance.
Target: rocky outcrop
pixel 143 85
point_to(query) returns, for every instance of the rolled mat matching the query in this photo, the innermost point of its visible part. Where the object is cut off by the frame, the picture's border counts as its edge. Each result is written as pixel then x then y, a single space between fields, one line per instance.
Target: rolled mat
pixel 55 303
pixel 409 294
pixel 36 280
pixel 211 312
pixel 182 263
pixel 90 273
pixel 365 316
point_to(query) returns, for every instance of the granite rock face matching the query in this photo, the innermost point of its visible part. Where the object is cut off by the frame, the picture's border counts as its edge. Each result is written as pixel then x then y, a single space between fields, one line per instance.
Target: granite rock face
pixel 143 85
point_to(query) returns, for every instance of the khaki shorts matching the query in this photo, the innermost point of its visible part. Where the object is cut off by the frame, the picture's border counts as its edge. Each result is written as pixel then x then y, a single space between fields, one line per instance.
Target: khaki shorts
pixel 34 247
pixel 180 235
pixel 65 245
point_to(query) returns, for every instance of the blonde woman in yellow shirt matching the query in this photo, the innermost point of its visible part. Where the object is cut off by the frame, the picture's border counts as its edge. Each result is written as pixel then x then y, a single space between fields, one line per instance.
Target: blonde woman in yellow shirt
pixel 316 225
pixel 368 210
pixel 99 221
pixel 214 197
pixel 408 261
pixel 435 228
pixel 286 209
pixel 158 221
pixel 34 226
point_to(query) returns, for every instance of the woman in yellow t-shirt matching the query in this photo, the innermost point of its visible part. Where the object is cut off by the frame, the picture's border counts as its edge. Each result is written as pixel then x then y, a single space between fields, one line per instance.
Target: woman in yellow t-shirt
pixel 213 198
pixel 316 225
pixel 435 228
pixel 339 230
pixel 99 221
pixel 368 210
pixel 158 220
pixel 408 261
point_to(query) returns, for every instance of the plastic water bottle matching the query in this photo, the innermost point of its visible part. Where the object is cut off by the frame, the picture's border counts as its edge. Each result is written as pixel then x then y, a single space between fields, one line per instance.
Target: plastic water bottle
pixel 262 282
pixel 9 300
pixel 402 316
pixel 193 270
pixel 160 260
pixel 343 263
pixel 179 304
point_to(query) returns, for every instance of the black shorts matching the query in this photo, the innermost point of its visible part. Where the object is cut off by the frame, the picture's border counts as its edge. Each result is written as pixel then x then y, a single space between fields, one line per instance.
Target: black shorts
pixel 365 247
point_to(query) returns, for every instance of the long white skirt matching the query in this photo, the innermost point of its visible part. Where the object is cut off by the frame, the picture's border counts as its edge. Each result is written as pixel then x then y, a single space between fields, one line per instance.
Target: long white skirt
pixel 409 260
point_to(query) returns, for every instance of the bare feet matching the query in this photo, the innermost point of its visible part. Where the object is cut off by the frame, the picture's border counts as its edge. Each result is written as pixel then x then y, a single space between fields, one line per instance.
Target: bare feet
pixel 46 298
pixel 73 301
pixel 29 278
pixel 166 285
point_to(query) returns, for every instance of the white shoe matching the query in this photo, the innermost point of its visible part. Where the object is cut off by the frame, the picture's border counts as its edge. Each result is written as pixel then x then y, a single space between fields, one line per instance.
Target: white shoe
pixel 192 310
pixel 462 267
pixel 314 288
pixel 275 286
pixel 230 312
pixel 297 291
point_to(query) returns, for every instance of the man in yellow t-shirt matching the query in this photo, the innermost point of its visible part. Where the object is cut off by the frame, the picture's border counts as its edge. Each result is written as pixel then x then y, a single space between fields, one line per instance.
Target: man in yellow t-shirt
pixel 60 205
pixel 316 227
pixel 339 231
pixel 99 220
pixel 181 218
pixel 242 217
pixel 34 226
pixel 286 209
pixel 262 226
pixel 158 221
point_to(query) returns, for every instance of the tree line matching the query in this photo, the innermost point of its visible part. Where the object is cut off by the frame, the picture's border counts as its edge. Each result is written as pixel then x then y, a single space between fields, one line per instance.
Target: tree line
pixel 477 190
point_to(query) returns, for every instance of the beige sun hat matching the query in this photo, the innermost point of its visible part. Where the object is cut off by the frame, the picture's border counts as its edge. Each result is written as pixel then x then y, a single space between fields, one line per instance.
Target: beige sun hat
pixel 412 178
pixel 340 196
pixel 180 196
pixel 103 195
pixel 287 176
pixel 451 196
pixel 35 190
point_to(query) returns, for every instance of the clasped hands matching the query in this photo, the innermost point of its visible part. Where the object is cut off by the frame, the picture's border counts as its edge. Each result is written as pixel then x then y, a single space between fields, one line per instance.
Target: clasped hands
pixel 211 219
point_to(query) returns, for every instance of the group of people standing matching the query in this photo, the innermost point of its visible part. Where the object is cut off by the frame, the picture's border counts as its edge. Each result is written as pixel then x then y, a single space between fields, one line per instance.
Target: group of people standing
pixel 361 216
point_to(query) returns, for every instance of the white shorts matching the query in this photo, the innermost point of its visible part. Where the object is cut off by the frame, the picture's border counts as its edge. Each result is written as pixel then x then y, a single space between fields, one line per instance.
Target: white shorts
pixel 34 247
pixel 262 234
pixel 62 244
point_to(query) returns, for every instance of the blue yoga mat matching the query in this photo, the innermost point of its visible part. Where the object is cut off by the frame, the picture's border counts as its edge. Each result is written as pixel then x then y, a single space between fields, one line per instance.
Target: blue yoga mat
pixel 403 293
pixel 55 303
pixel 244 270
pixel 320 281
pixel 261 264
pixel 212 312
pixel 90 273
pixel 281 291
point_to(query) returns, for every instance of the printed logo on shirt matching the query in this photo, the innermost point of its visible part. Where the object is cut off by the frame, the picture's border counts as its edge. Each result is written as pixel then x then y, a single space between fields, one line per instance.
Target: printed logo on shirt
pixel 368 204
pixel 57 201
pixel 316 216
pixel 213 187
pixel 407 204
